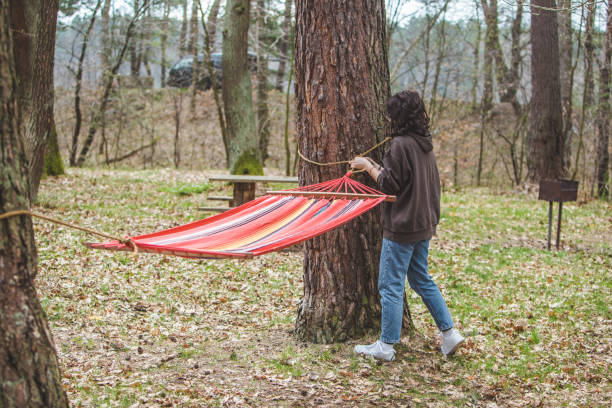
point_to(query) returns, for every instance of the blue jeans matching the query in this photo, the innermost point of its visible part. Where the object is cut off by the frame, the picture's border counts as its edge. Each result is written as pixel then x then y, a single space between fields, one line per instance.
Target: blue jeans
pixel 396 261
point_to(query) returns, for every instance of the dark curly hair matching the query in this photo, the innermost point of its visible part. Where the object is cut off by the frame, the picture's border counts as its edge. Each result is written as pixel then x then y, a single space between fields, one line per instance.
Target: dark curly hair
pixel 407 112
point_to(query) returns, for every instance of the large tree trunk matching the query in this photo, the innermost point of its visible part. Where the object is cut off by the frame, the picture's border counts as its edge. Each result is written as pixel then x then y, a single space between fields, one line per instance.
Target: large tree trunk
pixel 342 85
pixel 33 24
pixel 546 142
pixel 263 120
pixel 603 140
pixel 29 368
pixel 243 146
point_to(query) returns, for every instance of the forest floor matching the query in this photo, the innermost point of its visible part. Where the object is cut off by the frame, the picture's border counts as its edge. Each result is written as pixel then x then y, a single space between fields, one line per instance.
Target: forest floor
pixel 148 330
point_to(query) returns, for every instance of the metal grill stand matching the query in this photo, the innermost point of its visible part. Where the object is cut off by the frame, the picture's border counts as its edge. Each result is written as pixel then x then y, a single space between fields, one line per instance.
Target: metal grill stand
pixel 559 191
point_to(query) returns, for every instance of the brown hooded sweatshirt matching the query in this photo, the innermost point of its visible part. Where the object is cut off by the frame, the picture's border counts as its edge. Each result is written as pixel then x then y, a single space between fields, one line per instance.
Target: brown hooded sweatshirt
pixel 410 173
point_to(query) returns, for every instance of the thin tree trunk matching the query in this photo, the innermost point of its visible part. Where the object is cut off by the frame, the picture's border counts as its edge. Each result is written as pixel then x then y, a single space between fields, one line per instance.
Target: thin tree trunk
pixel 439 60
pixel 603 140
pixel 134 46
pixel 426 55
pixel 546 144
pixel 105 54
pixel 587 93
pixel 567 72
pixel 145 34
pixel 208 37
pixel 164 41
pixel 178 108
pixel 78 118
pixel 476 59
pixel 589 53
pixel 97 115
pixel 342 85
pixel 193 50
pixel 183 33
pixel 213 18
pixel 263 120
pixel 490 13
pixel 244 154
pixel 283 46
pixel 30 373
pixel 287 112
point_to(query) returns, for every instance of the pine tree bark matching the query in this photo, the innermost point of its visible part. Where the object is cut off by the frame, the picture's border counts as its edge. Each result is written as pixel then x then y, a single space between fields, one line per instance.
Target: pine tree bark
pixel 29 369
pixel 244 154
pixel 546 142
pixel 605 111
pixel 33 24
pixel 342 85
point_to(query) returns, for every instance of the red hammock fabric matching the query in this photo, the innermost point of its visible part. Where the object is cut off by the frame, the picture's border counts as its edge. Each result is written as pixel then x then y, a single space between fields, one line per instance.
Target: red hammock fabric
pixel 266 224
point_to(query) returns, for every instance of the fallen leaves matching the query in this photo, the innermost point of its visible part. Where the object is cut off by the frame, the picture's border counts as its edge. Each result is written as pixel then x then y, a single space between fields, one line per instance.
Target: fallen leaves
pixel 163 331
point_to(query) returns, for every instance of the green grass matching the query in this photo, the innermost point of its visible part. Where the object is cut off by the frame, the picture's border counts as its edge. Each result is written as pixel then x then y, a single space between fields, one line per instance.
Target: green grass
pixel 537 322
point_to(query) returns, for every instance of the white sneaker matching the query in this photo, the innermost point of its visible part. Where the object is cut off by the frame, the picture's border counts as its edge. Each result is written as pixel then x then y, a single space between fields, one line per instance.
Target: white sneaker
pixel 451 340
pixel 378 349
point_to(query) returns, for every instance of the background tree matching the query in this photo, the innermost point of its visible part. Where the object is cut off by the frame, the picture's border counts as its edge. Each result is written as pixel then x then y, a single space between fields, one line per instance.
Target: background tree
pixel 263 120
pixel 342 85
pixel 546 143
pixel 603 141
pixel 243 145
pixel 29 368
pixel 283 46
pixel 78 78
pixel 34 25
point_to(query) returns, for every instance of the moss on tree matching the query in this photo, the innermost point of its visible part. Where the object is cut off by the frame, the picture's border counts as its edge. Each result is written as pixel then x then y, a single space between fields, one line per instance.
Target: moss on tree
pixel 247 163
pixel 54 166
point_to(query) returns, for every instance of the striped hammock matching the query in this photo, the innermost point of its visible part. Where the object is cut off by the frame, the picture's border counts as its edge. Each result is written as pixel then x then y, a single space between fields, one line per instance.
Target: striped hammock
pixel 269 223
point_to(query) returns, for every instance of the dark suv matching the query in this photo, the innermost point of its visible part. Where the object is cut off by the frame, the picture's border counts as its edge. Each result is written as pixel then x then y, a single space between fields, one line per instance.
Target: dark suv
pixel 181 73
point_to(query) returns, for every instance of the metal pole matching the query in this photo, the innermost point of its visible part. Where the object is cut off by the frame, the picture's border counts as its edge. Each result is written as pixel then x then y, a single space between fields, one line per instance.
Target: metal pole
pixel 550 208
pixel 559 224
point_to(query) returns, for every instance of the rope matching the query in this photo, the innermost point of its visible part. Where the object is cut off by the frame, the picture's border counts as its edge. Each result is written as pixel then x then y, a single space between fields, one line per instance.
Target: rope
pixel 126 241
pixel 306 159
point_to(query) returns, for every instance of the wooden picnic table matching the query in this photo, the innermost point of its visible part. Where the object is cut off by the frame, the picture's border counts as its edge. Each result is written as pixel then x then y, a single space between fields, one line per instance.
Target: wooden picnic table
pixel 244 187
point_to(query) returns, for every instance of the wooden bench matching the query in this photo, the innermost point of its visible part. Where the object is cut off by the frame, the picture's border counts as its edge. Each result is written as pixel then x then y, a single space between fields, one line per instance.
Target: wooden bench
pixel 244 188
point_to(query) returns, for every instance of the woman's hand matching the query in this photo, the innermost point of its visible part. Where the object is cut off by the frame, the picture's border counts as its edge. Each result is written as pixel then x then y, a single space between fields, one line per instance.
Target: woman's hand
pixel 367 164
pixel 360 163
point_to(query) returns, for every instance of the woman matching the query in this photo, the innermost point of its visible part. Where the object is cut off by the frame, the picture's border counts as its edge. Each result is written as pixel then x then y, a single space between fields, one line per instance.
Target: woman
pixel 410 172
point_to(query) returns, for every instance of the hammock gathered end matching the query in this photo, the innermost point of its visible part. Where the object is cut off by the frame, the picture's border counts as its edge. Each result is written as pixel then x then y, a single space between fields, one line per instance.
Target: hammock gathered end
pixel 269 223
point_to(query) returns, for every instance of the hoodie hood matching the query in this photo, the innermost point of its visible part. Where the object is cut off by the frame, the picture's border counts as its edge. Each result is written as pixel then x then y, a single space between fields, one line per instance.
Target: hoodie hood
pixel 424 140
